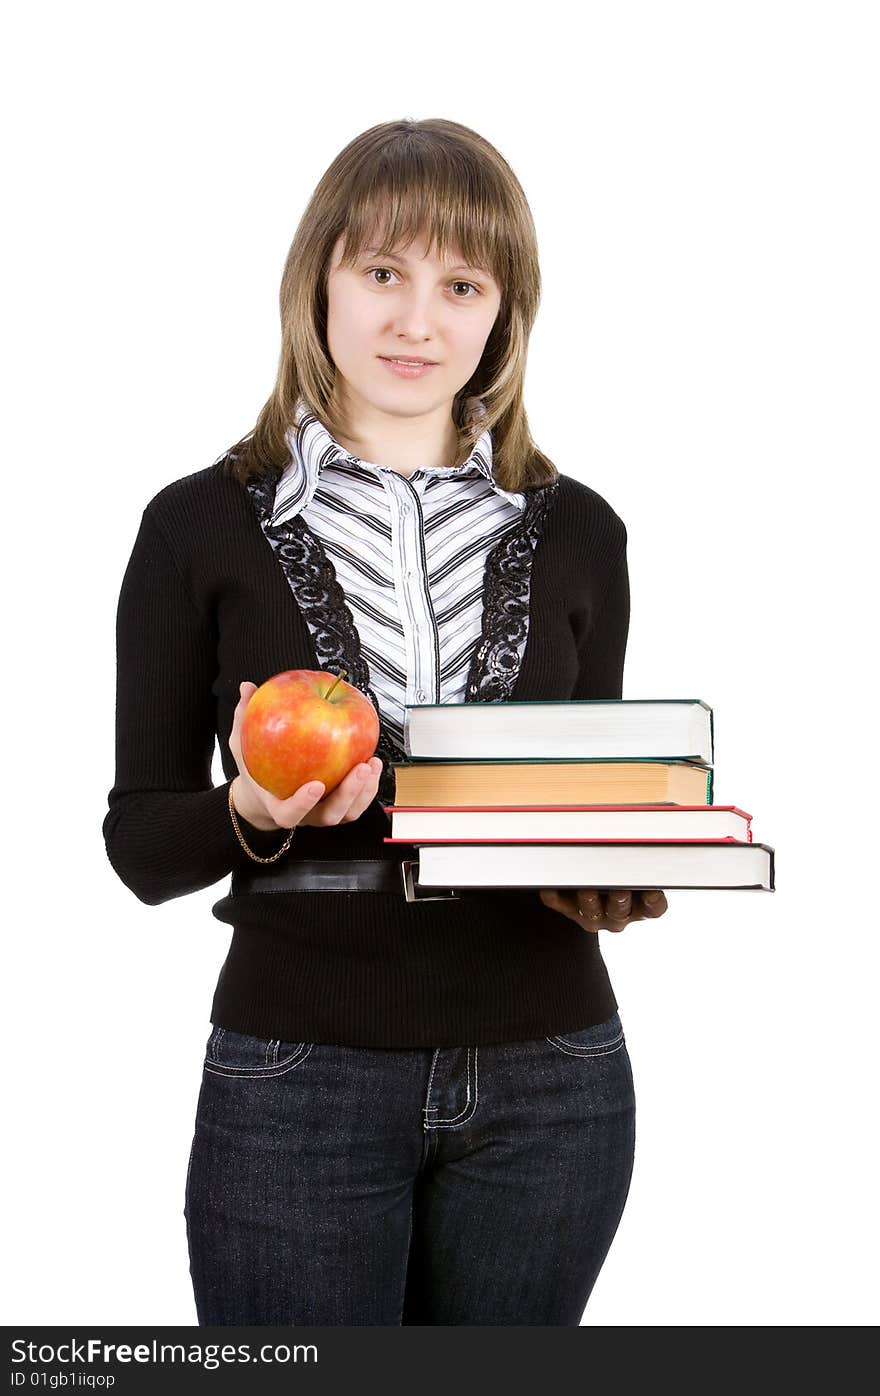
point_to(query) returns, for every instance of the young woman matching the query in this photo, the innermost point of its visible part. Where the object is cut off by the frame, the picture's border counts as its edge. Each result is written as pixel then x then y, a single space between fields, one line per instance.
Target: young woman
pixel 415 1108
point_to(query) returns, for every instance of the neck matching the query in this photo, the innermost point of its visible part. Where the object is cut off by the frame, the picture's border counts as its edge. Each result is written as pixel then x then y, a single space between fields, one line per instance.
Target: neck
pixel 404 443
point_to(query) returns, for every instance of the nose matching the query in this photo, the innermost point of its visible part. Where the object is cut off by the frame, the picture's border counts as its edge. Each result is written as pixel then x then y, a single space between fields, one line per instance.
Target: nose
pixel 415 319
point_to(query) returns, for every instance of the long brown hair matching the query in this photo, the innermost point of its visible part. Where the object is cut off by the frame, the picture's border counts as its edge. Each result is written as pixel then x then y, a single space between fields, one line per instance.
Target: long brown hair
pixel 395 180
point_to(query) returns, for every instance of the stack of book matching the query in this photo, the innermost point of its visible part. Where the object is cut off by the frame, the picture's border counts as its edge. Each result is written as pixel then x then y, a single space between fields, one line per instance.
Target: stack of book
pixel 599 793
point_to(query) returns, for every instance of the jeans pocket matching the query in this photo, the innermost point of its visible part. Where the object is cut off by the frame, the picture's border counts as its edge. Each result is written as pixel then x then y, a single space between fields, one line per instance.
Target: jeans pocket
pixel 596 1041
pixel 243 1056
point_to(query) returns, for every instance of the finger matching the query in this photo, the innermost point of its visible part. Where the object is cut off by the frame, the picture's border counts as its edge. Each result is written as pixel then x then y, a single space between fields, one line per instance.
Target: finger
pixel 350 790
pixel 570 905
pixel 566 902
pixel 618 905
pixel 559 900
pixel 245 691
pixel 366 789
pixel 654 903
pixel 589 903
pixel 290 812
pixel 587 906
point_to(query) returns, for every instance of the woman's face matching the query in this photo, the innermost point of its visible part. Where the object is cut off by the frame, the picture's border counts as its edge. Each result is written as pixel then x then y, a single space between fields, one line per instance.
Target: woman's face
pixel 410 305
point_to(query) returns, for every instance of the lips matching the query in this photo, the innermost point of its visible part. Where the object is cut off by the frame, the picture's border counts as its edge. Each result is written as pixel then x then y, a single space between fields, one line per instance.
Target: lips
pixel 403 359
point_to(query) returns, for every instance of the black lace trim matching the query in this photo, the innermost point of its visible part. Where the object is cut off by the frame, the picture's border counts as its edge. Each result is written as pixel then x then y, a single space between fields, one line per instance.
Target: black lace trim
pixel 497 657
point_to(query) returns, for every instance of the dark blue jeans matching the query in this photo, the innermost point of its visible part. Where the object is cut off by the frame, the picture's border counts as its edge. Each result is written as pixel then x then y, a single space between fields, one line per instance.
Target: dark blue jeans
pixel 336 1185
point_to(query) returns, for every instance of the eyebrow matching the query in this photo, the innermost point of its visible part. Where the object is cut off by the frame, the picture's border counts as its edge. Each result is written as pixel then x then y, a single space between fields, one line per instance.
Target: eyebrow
pixel 392 257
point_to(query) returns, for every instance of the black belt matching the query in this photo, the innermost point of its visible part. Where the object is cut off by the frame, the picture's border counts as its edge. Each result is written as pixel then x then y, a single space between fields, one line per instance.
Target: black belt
pixel 344 875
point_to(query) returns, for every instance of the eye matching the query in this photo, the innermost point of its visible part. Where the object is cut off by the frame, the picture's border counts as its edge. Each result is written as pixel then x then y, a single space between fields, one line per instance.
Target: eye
pixel 388 269
pixel 456 282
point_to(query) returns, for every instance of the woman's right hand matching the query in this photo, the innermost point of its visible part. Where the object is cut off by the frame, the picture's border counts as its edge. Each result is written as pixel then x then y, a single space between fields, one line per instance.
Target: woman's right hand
pixel 345 803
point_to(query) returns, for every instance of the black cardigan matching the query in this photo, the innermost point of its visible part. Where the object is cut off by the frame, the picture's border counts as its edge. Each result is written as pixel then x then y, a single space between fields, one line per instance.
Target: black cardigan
pixel 205 604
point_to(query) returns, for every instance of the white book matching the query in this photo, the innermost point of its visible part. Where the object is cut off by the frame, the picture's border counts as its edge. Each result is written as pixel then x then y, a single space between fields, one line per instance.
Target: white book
pixel 534 823
pixel 606 865
pixel 608 728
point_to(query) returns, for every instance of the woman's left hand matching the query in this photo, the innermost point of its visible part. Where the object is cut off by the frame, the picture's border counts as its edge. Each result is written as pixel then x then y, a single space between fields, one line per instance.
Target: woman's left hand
pixel 604 911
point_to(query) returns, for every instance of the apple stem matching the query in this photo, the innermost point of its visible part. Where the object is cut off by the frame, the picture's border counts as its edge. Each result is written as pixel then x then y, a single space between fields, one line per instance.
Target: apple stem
pixel 339 677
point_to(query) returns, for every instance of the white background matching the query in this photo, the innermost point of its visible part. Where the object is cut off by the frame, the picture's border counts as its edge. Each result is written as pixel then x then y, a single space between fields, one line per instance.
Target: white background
pixel 703 179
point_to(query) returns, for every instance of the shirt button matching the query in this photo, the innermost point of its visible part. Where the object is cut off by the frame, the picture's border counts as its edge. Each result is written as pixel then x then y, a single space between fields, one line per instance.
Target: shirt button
pixel 421 695
pixel 404 509
pixel 410 574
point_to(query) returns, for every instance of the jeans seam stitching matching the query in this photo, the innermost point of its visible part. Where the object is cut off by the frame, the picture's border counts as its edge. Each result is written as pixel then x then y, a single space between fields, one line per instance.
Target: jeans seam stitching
pixel 462 1117
pixel 572 1050
pixel 251 1073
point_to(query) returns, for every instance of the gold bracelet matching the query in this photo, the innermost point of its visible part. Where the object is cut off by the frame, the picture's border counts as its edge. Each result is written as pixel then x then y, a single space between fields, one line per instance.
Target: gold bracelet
pixel 283 849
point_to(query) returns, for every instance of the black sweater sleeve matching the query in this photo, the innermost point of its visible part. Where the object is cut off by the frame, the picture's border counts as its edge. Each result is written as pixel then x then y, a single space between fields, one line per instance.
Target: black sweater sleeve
pixel 602 648
pixel 168 830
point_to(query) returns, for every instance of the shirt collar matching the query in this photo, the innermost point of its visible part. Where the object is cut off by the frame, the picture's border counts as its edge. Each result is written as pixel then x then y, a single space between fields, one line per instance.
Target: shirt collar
pixel 313 448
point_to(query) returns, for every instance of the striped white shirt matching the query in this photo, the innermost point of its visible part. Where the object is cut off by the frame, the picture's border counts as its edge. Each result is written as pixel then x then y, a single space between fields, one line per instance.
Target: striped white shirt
pixel 409 552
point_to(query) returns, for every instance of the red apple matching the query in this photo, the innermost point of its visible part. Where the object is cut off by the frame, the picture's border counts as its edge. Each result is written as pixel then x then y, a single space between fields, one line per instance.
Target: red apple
pixel 306 724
